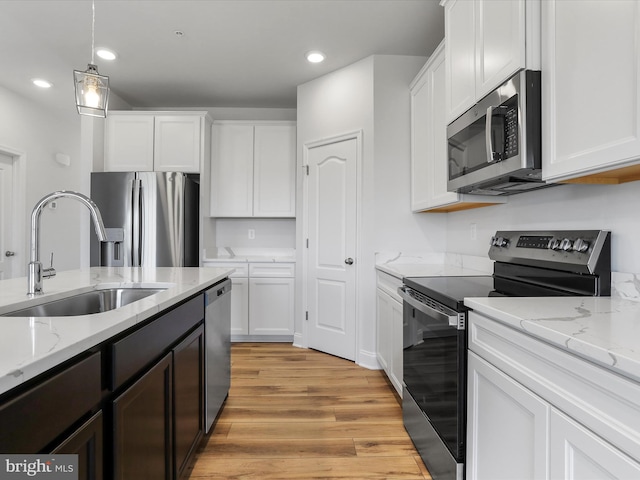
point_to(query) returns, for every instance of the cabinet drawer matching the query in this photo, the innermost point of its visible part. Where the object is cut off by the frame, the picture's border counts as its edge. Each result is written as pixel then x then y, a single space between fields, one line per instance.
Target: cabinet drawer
pixel 271 270
pixel 143 346
pixel 241 268
pixel 389 284
pixel 35 418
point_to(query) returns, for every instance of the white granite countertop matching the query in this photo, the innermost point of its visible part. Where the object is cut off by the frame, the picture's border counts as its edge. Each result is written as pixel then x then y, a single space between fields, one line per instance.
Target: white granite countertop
pixel 253 255
pixel 32 345
pixel 250 259
pixel 402 265
pixel 604 330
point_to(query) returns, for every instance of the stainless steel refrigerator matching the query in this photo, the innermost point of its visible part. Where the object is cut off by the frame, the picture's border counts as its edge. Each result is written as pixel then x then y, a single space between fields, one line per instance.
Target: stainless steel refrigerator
pixel 151 219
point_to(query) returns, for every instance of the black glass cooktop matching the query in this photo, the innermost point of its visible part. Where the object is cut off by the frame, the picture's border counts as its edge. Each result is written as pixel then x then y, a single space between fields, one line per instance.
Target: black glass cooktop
pixel 451 291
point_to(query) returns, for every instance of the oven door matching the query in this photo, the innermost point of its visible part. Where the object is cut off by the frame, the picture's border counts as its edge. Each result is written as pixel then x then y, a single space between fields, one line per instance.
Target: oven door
pixel 434 368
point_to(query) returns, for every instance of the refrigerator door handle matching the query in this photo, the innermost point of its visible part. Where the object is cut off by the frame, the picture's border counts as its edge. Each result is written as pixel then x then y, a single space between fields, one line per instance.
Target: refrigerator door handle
pixel 136 243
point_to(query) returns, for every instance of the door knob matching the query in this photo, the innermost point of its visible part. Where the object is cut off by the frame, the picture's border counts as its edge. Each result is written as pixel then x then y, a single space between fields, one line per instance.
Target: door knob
pixel 9 253
pixel 348 261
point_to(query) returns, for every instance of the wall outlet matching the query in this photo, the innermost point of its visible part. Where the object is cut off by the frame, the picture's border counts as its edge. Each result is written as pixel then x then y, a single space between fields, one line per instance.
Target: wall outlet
pixel 473 231
pixel 252 234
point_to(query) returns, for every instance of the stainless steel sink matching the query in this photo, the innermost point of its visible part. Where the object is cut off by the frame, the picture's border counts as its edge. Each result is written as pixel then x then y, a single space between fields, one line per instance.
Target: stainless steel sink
pixel 95 301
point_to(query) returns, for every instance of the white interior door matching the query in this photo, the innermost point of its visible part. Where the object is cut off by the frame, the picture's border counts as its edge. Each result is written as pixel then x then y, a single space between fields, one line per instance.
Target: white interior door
pixel 331 279
pixel 7 257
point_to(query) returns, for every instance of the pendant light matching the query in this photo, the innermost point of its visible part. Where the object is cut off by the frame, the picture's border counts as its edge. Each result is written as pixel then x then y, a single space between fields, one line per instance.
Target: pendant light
pixel 92 89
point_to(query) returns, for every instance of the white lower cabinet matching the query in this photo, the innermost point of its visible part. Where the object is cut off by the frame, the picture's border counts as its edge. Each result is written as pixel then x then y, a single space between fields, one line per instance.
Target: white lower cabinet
pixel 537 412
pixel 271 306
pixel 506 424
pixel 240 306
pixel 262 300
pixel 576 453
pixel 389 322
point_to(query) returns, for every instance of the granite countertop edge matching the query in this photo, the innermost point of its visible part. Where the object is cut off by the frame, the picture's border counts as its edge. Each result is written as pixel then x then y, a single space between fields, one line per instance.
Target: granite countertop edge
pixel 602 330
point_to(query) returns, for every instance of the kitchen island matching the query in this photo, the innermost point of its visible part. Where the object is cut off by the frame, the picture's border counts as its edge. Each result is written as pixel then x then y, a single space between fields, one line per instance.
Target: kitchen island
pixel 30 346
pixel 108 385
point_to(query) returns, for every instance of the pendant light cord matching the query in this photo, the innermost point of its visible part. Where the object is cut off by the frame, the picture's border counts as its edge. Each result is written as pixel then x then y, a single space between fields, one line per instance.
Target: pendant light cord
pixel 93 29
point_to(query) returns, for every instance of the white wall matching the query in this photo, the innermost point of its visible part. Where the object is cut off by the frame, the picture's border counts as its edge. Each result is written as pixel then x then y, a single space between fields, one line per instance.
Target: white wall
pixel 39 134
pixel 562 207
pixel 371 96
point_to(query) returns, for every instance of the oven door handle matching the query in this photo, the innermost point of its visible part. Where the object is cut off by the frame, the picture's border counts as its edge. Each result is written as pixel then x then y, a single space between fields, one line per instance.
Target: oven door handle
pixel 451 320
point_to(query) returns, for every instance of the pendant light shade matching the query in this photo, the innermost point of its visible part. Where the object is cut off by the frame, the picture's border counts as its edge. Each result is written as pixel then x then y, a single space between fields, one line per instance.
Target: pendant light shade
pixel 92 92
pixel 92 89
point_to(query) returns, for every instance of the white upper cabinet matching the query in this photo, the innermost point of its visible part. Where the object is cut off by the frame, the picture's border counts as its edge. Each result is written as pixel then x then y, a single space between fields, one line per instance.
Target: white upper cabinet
pixel 232 170
pixel 429 158
pixel 591 91
pixel 148 141
pixel 253 169
pixel 128 143
pixel 274 171
pixel 177 143
pixel 487 42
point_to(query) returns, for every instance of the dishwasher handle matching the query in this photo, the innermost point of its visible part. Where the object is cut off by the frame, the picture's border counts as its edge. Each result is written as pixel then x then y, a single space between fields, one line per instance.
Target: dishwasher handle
pixel 217 291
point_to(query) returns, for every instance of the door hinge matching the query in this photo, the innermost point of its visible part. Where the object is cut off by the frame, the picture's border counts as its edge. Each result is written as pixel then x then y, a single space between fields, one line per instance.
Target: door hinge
pixel 307 243
pixel 307 168
pixel 306 315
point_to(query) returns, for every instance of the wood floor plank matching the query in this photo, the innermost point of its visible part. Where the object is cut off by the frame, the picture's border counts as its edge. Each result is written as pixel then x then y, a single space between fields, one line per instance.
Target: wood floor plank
pixel 308 401
pixel 252 448
pixel 282 414
pixel 384 447
pixel 300 414
pixel 404 468
pixel 315 430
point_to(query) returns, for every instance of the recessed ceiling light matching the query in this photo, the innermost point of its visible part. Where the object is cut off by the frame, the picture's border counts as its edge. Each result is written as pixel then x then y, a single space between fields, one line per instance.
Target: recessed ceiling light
pixel 106 54
pixel 39 82
pixel 315 56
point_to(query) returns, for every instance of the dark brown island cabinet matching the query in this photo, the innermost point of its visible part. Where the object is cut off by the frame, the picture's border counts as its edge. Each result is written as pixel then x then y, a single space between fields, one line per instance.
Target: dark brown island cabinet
pixel 130 408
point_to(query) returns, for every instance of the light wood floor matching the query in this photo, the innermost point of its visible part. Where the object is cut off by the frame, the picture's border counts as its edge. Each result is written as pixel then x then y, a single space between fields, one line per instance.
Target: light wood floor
pixel 300 414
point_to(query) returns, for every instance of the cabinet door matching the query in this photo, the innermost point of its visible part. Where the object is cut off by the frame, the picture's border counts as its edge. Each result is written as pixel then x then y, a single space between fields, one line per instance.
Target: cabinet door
pixel 271 306
pixel 506 426
pixel 274 171
pixel 239 306
pixel 188 395
pixel 397 327
pixel 578 454
pixel 383 329
pixel 142 418
pixel 86 442
pixel 459 21
pixel 437 155
pixel 129 143
pixel 420 143
pixel 232 171
pixel 500 42
pixel 177 143
pixel 590 79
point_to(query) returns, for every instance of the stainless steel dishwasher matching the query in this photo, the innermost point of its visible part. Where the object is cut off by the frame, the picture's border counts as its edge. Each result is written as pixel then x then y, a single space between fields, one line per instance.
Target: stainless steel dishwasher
pixel 217 330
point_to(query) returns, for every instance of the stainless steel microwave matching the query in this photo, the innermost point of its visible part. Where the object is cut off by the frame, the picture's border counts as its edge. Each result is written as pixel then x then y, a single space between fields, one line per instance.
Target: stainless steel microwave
pixel 494 148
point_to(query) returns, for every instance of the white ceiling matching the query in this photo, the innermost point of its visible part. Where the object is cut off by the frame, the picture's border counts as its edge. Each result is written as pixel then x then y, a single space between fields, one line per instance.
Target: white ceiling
pixel 234 53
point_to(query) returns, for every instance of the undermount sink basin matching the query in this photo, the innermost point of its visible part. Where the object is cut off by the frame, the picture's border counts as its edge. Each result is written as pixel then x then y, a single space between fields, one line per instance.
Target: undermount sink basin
pixel 95 301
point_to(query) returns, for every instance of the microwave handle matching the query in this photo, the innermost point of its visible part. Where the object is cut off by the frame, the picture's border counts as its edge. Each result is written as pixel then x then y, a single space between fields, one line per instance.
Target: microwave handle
pixel 487 132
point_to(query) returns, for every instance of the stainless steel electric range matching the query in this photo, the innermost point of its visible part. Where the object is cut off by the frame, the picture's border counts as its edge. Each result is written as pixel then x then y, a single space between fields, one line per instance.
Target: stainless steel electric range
pixel 527 263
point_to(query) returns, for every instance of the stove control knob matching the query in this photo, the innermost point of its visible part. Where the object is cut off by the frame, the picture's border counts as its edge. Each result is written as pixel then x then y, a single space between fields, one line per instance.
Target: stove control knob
pixel 566 245
pixel 554 244
pixel 493 241
pixel 501 242
pixel 580 245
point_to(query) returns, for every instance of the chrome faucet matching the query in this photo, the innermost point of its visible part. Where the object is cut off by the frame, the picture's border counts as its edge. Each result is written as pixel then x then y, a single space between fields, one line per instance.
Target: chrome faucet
pixel 35 272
